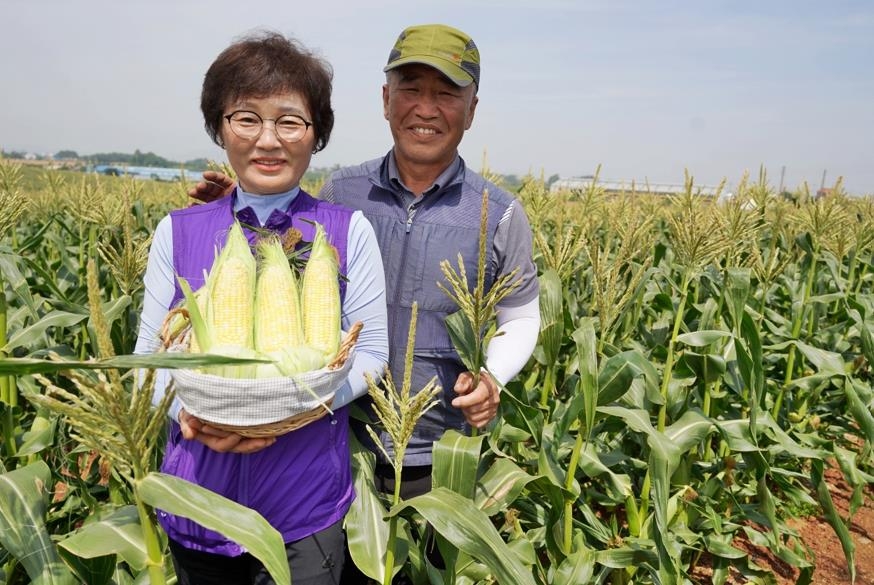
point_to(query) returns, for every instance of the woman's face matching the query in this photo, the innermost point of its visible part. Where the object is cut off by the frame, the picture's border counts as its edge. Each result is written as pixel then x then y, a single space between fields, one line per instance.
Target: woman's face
pixel 266 164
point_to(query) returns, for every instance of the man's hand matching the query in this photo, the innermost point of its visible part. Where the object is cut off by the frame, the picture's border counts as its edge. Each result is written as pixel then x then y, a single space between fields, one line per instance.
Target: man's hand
pixel 222 441
pixel 480 404
pixel 214 185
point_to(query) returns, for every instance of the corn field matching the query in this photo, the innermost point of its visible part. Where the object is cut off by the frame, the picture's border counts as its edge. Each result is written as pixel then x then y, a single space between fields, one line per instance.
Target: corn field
pixel 700 367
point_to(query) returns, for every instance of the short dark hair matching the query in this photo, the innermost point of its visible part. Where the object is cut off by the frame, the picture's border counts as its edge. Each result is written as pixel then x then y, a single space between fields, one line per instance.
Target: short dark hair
pixel 263 64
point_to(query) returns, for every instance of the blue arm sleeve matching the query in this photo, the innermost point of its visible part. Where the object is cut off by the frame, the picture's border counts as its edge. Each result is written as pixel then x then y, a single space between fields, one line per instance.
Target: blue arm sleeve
pixel 365 302
pixel 160 286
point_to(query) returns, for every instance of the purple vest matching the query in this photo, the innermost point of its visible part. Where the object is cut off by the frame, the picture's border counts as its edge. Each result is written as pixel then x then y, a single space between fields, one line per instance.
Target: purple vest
pixel 302 483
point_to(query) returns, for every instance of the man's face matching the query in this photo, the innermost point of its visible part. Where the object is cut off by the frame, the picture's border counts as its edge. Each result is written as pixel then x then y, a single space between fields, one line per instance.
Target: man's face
pixel 428 115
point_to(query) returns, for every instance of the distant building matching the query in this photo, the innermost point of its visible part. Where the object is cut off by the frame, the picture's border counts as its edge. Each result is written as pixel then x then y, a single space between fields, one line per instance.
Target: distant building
pixel 154 173
pixel 617 187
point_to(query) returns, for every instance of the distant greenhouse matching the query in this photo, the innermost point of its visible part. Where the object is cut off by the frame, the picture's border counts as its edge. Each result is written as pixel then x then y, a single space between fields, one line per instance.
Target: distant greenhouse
pixel 153 173
pixel 616 187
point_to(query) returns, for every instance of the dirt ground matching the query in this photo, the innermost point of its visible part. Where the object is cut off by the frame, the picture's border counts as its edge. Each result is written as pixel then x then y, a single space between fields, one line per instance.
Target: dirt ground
pixel 825 548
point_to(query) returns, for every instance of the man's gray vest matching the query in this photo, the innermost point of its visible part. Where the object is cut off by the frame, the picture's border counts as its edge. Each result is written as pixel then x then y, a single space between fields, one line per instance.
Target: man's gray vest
pixel 444 224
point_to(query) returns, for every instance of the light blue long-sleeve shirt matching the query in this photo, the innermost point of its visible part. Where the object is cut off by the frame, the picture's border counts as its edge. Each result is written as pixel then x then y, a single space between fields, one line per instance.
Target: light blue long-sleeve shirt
pixel 364 300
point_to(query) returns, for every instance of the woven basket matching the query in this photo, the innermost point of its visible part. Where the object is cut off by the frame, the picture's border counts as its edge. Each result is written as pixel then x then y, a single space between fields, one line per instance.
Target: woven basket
pixel 266 407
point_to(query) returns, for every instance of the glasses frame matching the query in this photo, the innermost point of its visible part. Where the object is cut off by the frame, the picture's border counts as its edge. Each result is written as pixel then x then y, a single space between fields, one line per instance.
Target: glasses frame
pixel 306 123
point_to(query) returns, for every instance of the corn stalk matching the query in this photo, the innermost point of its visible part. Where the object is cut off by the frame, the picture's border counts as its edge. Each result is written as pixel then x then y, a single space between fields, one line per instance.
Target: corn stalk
pixel 469 327
pixel 117 423
pixel 398 410
pixel 12 206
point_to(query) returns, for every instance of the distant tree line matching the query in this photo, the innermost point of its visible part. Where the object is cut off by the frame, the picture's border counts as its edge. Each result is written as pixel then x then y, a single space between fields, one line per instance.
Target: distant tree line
pixel 142 159
pixel 150 159
pixel 137 159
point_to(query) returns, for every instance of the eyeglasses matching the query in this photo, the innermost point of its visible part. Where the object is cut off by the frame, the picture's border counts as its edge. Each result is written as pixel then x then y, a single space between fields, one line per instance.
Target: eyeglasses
pixel 248 126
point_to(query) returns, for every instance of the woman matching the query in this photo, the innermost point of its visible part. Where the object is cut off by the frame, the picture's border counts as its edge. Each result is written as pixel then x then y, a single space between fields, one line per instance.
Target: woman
pixel 267 101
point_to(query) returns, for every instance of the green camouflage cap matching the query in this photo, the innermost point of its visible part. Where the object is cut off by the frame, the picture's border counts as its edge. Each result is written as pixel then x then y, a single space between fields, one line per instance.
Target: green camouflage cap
pixel 444 48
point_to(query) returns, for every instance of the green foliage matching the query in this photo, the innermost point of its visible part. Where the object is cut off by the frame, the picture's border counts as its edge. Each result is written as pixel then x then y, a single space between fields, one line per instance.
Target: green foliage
pixel 693 385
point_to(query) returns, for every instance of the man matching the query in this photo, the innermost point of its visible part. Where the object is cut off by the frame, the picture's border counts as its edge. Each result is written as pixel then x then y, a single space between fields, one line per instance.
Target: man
pixel 424 204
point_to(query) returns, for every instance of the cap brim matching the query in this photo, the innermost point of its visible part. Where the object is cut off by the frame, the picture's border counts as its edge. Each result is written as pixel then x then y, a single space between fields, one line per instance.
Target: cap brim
pixel 456 74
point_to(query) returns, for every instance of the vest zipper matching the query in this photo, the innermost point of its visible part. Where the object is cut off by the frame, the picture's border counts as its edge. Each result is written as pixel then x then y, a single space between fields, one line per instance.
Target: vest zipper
pixel 411 212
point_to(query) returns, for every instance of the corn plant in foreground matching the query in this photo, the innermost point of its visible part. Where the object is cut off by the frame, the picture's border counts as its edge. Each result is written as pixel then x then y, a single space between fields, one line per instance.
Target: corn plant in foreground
pixel 119 425
pixel 469 328
pixel 12 206
pixel 110 414
pixel 397 411
pixel 553 494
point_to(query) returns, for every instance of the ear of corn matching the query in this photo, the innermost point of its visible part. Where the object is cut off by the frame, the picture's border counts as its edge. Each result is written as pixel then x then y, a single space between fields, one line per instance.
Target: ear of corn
pixel 278 322
pixel 248 308
pixel 320 297
pixel 231 285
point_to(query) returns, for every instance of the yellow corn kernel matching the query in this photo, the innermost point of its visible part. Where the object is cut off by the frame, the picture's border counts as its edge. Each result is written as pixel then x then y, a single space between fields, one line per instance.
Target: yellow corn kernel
pixel 230 307
pixel 230 304
pixel 278 322
pixel 320 296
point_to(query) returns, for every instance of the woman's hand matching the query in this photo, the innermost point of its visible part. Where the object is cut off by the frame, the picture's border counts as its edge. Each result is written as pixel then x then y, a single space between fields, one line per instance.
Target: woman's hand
pixel 218 440
pixel 214 185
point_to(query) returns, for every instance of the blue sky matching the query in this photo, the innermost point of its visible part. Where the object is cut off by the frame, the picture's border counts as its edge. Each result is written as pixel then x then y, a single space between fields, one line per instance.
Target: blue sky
pixel 646 89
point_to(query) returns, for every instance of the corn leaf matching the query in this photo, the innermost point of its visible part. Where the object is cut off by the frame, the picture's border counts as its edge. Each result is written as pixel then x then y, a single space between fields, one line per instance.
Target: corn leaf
pixel 31 334
pixel 521 415
pixel 455 461
pixel 737 434
pixel 40 435
pixel 23 533
pixel 198 320
pixel 615 377
pixel 367 529
pixel 825 362
pixel 748 350
pixel 99 570
pixel 464 340
pixel 833 517
pixel 860 411
pixel 464 525
pixel 27 366
pixel 578 567
pixel 664 456
pixel 118 533
pixel 865 334
pixel 14 279
pixel 592 466
pixel 702 338
pixel 737 289
pixel 551 315
pixel 236 522
pixel 500 485
pixel 690 430
pixel 706 367
pixel 584 337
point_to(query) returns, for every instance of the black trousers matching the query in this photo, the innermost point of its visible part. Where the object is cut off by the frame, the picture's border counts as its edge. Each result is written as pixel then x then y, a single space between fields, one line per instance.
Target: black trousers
pixel 415 481
pixel 315 560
